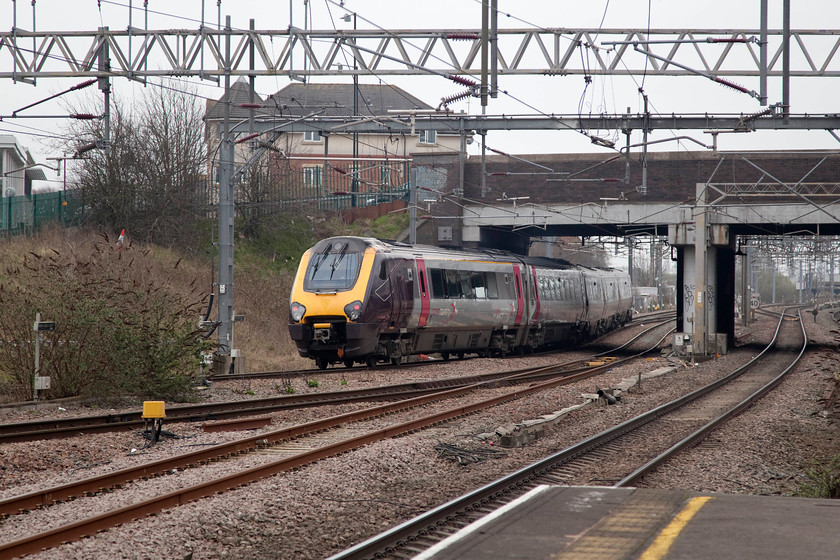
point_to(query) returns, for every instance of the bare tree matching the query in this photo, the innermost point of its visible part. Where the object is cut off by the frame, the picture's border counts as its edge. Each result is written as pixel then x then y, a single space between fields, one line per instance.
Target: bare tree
pixel 171 163
pixel 150 180
pixel 107 183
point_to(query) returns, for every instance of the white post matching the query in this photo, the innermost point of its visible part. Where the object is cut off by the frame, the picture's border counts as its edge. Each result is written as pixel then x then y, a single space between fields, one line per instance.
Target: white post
pixel 37 357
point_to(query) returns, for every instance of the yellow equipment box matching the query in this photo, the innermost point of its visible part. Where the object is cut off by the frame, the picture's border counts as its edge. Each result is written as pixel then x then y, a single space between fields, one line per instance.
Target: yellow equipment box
pixel 154 409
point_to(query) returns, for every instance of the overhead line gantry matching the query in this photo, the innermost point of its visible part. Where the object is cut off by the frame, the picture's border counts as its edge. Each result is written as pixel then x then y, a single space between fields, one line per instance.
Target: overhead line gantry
pixel 27 55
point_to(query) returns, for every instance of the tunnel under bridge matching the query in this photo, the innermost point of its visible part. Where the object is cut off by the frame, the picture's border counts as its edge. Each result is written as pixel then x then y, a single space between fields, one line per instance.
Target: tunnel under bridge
pixel 725 196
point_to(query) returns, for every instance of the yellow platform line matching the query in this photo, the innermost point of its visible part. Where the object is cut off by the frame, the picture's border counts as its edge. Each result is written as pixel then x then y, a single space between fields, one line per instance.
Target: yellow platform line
pixel 659 548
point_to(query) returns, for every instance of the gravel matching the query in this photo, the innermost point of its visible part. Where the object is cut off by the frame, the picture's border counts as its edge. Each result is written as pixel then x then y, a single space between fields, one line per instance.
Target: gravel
pixel 323 508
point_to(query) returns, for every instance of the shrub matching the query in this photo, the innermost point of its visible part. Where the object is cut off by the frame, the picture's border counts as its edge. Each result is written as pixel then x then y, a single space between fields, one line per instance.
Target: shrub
pixel 822 480
pixel 122 326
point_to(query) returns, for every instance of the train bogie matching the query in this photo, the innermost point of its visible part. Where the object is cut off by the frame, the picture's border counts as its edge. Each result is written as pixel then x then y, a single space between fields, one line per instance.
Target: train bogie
pixel 361 300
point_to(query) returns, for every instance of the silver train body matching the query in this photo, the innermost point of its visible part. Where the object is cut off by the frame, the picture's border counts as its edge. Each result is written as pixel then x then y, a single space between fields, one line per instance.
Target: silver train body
pixel 362 300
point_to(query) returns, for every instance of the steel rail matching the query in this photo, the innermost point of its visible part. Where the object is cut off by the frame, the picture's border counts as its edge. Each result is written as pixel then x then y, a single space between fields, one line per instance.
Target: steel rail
pixel 85 527
pixel 44 497
pixel 65 427
pixel 693 439
pixel 656 315
pixel 519 481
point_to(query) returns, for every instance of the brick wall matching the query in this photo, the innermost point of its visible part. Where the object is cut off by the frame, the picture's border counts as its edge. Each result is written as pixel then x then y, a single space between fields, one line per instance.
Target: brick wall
pixel 672 176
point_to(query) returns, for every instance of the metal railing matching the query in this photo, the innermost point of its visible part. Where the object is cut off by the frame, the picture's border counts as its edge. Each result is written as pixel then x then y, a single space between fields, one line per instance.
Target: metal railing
pixel 325 187
pixel 23 215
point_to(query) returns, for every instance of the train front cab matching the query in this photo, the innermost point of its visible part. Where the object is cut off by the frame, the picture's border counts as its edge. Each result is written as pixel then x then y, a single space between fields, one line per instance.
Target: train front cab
pixel 328 299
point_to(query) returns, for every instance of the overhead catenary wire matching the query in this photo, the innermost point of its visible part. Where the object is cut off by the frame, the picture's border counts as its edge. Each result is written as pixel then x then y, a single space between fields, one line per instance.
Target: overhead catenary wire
pixel 509 15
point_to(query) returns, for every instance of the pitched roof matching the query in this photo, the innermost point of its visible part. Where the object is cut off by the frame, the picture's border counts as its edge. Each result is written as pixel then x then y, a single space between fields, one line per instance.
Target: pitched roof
pixel 337 99
pixel 303 99
pixel 239 93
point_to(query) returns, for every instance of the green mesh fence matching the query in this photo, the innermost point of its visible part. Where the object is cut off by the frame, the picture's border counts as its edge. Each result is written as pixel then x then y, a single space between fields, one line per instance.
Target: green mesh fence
pixel 27 214
pixel 326 187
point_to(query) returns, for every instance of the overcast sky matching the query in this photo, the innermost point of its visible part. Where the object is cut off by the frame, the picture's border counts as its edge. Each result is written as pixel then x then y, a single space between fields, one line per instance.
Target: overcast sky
pixel 559 95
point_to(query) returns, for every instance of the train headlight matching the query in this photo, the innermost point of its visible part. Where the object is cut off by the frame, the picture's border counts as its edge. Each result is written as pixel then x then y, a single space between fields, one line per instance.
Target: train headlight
pixel 297 311
pixel 353 310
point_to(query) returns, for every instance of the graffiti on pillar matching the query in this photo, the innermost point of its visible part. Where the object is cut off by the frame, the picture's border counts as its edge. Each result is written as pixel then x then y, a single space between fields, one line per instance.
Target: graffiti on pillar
pixel 710 296
pixel 688 295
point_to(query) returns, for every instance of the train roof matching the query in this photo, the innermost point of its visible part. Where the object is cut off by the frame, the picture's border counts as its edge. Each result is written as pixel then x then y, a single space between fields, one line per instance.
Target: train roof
pixel 416 250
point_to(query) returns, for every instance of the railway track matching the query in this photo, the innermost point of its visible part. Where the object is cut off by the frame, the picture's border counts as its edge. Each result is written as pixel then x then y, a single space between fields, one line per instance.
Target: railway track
pixel 66 427
pixel 655 317
pixel 292 453
pixel 686 421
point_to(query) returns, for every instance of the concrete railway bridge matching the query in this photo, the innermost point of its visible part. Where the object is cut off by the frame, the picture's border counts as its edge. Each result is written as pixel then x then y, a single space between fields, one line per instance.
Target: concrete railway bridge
pixel 507 202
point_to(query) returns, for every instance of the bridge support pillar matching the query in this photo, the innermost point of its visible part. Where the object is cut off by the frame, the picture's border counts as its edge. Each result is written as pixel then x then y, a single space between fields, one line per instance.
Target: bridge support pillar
pixel 705 285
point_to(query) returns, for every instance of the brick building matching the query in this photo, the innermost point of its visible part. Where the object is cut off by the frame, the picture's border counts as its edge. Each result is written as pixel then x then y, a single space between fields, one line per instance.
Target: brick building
pixel 322 163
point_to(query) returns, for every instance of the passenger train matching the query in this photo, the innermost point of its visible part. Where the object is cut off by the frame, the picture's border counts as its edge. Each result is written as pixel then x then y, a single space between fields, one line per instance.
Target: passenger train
pixel 363 300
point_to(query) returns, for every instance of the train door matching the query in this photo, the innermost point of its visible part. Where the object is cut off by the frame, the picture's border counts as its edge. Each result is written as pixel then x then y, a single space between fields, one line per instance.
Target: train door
pixel 403 292
pixel 580 285
pixel 385 300
pixel 535 297
pixel 595 289
pixel 520 297
pixel 422 283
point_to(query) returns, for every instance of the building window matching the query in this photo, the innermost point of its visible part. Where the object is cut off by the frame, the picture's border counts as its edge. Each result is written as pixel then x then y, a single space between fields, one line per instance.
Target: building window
pixel 312 175
pixel 311 136
pixel 428 136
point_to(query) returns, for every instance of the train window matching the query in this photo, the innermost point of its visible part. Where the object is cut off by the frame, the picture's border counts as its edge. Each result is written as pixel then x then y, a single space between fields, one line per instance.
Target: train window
pixel 438 287
pixel 422 278
pixel 452 291
pixel 383 271
pixel 478 285
pixel 492 286
pixel 465 285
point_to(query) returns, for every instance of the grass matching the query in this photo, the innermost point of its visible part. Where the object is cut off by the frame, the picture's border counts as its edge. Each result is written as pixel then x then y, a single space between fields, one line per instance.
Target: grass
pixel 281 241
pixel 264 269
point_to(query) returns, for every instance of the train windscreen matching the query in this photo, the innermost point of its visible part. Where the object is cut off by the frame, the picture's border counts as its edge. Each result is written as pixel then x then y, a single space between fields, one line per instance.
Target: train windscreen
pixel 330 271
